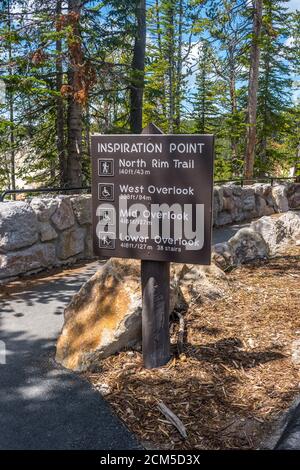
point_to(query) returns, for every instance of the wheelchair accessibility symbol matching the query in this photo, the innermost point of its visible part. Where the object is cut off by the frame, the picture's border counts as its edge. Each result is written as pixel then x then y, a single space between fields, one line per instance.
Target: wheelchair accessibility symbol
pixel 106 192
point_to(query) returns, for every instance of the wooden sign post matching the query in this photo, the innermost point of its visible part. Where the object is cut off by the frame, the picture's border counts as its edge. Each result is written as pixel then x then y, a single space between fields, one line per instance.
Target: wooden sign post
pixel 156 300
pixel 152 200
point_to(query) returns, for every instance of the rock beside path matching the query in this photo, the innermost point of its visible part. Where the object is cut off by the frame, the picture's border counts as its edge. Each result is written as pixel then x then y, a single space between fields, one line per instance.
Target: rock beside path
pixel 104 317
pixel 262 239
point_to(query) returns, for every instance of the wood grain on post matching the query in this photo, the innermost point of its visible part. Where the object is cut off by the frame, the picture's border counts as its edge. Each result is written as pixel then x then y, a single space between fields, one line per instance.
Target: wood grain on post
pixel 155 277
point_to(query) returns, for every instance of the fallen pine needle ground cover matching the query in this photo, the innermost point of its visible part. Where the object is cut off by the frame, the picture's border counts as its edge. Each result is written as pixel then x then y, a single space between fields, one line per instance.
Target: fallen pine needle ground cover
pixel 235 375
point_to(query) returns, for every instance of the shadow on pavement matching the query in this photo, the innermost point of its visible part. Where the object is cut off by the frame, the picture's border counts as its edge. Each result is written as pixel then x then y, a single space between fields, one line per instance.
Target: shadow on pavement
pixel 43 406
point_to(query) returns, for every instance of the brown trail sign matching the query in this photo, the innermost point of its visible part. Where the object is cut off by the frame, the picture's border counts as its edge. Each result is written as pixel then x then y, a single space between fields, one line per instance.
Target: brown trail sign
pixel 152 200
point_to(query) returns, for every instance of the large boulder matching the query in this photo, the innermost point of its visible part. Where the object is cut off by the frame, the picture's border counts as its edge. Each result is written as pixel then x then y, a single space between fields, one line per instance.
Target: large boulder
pixel 222 255
pixel 38 256
pixel 263 238
pixel 199 284
pixel 291 223
pixel 104 316
pixel 18 226
pixel 277 231
pixel 247 245
pixel 267 228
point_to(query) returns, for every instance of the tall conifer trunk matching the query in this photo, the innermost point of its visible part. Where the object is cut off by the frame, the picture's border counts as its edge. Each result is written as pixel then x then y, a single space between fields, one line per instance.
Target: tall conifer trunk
pixel 11 110
pixel 74 114
pixel 253 89
pixel 60 124
pixel 138 70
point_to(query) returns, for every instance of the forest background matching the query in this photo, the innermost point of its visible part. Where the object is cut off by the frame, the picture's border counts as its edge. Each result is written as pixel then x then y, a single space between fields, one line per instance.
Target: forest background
pixel 71 68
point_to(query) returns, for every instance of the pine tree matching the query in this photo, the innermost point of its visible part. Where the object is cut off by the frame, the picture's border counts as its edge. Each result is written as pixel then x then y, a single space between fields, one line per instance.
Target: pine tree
pixel 228 31
pixel 205 111
pixel 138 69
pixel 74 68
pixel 172 29
pixel 257 6
pixel 274 86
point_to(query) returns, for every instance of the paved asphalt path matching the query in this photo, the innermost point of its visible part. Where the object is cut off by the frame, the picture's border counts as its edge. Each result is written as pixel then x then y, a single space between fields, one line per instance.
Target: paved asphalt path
pixel 43 406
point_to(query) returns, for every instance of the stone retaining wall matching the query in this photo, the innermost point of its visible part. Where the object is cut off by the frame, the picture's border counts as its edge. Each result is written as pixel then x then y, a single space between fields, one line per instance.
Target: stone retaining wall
pixel 233 204
pixel 45 232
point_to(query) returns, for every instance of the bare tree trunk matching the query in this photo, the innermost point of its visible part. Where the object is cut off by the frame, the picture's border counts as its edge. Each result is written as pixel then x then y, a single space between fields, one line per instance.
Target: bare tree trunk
pixel 171 53
pixel 178 86
pixel 88 131
pixel 203 116
pixel 60 119
pixel 267 86
pixel 74 115
pixel 158 30
pixel 12 142
pixel 233 101
pixel 159 42
pixel 11 113
pixel 138 70
pixel 74 141
pixel 253 88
